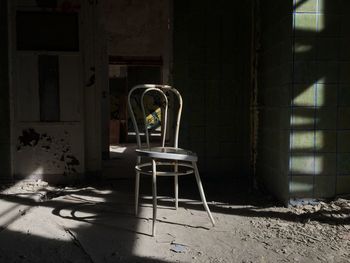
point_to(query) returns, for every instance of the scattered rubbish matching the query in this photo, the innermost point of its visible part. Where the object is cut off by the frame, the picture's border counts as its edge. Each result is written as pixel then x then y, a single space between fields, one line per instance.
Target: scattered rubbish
pixel 22 212
pixel 178 248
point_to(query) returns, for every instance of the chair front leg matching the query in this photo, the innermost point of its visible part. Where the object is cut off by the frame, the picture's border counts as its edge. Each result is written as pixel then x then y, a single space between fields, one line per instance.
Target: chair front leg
pixel 137 187
pixel 176 186
pixel 154 193
pixel 201 192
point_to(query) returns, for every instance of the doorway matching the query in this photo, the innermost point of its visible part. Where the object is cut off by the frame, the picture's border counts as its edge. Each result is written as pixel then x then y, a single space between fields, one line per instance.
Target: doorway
pixel 124 74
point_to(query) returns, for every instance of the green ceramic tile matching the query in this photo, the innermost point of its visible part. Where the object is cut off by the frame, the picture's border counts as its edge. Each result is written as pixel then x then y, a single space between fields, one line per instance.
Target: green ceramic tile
pixel 304 95
pixel 305 71
pixel 278 97
pixel 303 141
pixel 301 186
pixel 344 23
pixel 344 50
pixel 327 72
pixel 325 164
pixel 305 24
pixel 344 141
pixel 306 6
pixel 333 7
pixel 328 24
pixel 285 71
pixel 344 95
pixel 326 50
pixel 303 118
pixel 212 149
pixel 326 141
pixel 344 69
pixel 343 163
pixel 326 95
pixel 303 164
pixel 326 118
pixel 305 48
pixel 343 185
pixel 344 118
pixel 324 186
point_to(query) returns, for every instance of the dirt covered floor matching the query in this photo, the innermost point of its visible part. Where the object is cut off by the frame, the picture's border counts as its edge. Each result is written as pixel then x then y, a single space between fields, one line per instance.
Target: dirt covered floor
pixel 95 223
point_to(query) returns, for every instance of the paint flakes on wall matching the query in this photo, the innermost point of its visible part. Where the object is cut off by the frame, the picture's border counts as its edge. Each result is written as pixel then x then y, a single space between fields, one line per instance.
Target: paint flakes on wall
pixel 49 150
pixel 29 138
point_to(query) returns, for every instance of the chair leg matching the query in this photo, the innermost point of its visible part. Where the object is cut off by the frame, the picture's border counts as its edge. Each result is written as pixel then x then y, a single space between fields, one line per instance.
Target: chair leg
pixel 137 188
pixel 176 190
pixel 201 192
pixel 154 192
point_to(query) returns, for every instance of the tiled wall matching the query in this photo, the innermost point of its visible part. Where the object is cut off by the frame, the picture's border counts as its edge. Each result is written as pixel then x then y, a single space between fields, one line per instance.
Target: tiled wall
pixel 211 69
pixel 304 92
pixel 320 148
pixel 274 94
pixel 4 97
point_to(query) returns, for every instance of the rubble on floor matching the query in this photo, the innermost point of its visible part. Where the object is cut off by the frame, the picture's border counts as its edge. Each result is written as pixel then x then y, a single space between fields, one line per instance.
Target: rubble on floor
pixel 95 223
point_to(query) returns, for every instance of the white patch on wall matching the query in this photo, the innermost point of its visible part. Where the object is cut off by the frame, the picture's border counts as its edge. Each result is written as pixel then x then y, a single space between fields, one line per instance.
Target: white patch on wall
pixel 54 150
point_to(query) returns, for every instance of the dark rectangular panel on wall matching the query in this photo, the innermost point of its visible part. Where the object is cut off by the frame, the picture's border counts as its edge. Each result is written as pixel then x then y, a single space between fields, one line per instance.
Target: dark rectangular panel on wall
pixel 47 31
pixel 49 88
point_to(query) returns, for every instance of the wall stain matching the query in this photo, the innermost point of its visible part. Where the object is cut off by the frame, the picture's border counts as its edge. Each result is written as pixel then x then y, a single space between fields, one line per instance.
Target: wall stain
pixel 29 138
pixel 57 150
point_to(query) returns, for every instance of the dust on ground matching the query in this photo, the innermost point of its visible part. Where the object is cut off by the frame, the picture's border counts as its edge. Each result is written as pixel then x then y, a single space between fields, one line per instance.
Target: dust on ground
pixel 95 223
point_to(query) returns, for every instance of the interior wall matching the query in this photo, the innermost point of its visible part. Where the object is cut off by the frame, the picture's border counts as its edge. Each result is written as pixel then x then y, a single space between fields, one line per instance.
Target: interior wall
pixel 320 159
pixel 5 171
pixel 136 28
pixel 304 97
pixel 274 95
pixel 212 42
pixel 140 29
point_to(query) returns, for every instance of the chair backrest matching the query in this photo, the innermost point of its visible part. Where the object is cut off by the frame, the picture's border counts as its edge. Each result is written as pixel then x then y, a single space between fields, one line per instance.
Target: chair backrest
pixel 165 92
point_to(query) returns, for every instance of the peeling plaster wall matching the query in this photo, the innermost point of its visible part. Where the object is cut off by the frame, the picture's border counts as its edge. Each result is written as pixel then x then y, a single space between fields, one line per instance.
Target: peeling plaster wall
pixel 48 150
pixel 5 171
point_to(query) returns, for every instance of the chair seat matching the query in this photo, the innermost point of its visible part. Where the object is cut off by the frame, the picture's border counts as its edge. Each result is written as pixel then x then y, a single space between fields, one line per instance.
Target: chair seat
pixel 169 153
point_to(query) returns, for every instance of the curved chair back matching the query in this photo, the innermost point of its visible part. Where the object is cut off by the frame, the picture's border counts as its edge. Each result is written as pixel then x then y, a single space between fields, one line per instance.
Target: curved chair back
pixel 164 91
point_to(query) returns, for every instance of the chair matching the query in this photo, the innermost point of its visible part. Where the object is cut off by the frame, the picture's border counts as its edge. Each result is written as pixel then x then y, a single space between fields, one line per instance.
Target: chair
pixel 150 158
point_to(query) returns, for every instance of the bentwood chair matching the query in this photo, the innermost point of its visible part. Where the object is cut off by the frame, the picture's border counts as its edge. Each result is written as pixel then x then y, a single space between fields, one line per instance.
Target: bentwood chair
pixel 162 160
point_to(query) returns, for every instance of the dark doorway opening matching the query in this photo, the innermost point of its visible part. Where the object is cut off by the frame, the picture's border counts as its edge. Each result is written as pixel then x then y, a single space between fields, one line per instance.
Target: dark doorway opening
pixel 124 74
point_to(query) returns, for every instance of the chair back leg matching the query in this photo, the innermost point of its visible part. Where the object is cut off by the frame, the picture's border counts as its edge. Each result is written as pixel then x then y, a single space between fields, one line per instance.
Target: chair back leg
pixel 154 193
pixel 137 188
pixel 201 192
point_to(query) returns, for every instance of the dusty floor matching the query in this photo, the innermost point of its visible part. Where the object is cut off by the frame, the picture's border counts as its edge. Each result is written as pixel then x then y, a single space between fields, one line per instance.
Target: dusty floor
pixel 95 223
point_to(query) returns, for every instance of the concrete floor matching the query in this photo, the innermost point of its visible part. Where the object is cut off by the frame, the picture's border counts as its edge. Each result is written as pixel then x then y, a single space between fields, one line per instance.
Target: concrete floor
pixel 95 223
pixel 121 161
